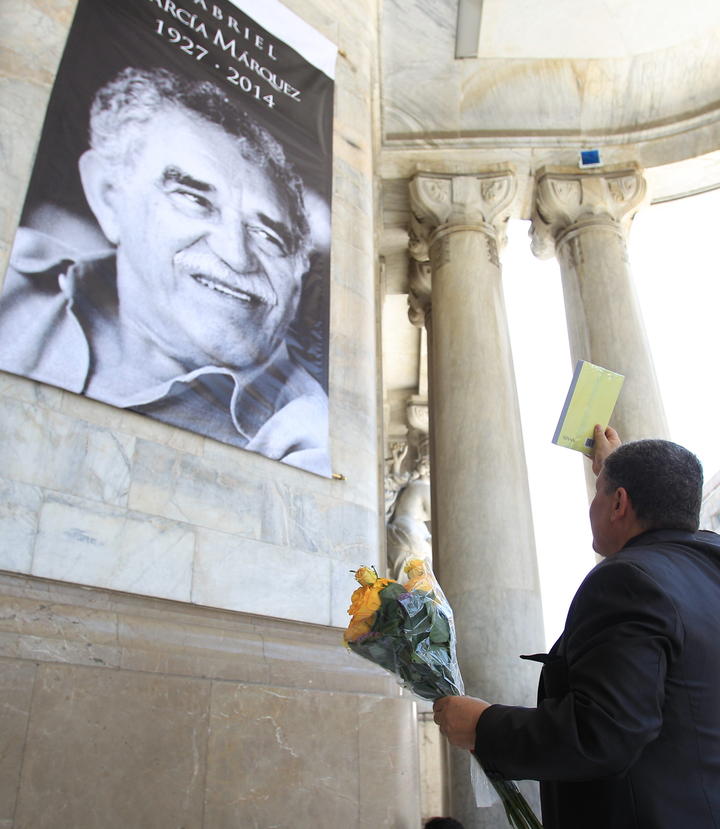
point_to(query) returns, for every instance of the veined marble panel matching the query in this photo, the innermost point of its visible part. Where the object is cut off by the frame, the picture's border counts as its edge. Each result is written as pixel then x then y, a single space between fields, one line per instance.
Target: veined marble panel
pixel 58 452
pixel 43 649
pixel 28 391
pixel 50 631
pixel 351 142
pixel 353 75
pixel 54 620
pixel 392 760
pixel 306 511
pixel 22 109
pixel 355 362
pixel 92 544
pixel 173 436
pixel 16 684
pixel 111 749
pixel 35 36
pixel 347 404
pixel 217 493
pixel 329 527
pixel 240 574
pixel 335 667
pixel 351 256
pixel 260 742
pixel 93 411
pixel 186 648
pixel 358 466
pixel 19 508
pixel 353 186
pixel 429 33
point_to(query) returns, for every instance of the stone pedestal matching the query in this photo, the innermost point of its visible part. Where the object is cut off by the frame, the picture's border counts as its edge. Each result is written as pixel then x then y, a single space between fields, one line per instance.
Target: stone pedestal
pixel 583 217
pixel 121 712
pixel 483 542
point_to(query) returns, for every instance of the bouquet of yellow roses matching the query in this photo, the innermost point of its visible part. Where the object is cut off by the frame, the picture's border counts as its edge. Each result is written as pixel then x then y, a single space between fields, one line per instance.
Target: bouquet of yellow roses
pixel 408 630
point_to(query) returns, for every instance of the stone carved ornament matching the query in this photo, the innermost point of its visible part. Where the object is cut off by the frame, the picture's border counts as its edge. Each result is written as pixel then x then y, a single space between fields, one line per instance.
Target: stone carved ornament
pixel 395 475
pixel 419 291
pixel 467 199
pixel 565 198
pixel 441 204
pixel 408 513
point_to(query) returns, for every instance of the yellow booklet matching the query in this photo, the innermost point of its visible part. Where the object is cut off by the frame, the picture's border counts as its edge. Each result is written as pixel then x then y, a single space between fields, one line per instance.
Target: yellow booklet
pixel 591 399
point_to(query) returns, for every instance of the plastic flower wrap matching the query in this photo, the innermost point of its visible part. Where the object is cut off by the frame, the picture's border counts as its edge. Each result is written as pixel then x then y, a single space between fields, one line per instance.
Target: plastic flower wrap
pixel 408 630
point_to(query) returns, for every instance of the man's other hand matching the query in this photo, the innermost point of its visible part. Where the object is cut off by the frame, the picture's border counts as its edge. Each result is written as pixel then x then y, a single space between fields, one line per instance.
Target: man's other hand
pixel 605 443
pixel 457 718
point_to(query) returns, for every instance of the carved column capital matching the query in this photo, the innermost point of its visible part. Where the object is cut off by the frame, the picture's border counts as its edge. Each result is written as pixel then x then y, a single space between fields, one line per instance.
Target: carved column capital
pixel 568 199
pixel 477 200
pixel 442 204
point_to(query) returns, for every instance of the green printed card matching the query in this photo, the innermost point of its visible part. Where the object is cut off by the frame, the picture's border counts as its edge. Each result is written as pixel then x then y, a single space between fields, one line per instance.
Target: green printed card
pixel 590 400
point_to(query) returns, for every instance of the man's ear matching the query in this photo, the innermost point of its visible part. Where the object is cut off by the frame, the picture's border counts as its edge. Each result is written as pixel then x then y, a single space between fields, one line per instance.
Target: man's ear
pixel 99 181
pixel 621 504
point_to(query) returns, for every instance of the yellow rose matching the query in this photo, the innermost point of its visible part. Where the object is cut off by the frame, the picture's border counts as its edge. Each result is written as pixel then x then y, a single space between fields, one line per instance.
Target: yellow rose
pixel 366 575
pixel 418 577
pixel 364 603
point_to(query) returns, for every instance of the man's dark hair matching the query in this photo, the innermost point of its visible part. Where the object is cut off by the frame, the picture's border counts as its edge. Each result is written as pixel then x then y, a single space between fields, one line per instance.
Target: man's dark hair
pixel 663 480
pixel 443 823
pixel 125 104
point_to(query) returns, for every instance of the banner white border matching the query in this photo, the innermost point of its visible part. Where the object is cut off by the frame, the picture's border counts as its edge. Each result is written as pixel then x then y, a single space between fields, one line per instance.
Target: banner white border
pixel 292 30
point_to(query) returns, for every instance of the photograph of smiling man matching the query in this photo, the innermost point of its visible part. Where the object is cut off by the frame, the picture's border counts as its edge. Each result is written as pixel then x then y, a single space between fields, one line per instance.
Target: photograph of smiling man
pixel 191 284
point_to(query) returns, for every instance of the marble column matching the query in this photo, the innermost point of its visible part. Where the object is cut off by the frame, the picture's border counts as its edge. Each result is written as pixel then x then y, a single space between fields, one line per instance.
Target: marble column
pixel 483 540
pixel 584 217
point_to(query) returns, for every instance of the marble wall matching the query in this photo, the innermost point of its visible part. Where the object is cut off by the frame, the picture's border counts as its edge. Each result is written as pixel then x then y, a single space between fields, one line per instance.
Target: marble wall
pixel 170 652
pixel 122 711
pixel 99 496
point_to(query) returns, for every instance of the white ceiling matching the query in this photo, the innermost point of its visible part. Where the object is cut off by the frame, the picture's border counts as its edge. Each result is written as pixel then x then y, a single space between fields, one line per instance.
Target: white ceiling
pixel 553 72
pixel 601 29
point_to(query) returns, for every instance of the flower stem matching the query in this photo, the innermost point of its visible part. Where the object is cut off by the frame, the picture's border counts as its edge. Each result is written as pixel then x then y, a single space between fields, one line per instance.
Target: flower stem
pixel 517 809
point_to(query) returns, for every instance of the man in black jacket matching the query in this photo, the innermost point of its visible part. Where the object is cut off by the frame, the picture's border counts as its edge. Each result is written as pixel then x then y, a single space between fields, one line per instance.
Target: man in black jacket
pixel 626 733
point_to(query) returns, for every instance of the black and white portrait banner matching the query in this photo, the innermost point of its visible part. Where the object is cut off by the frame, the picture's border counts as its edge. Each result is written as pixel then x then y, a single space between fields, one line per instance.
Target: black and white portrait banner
pixel 173 254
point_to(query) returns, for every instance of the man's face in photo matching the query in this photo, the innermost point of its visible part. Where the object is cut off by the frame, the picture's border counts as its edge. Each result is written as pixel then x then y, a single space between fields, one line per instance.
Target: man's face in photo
pixel 205 260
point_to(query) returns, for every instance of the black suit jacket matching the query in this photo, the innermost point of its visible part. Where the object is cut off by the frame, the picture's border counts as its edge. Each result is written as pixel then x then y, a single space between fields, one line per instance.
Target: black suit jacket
pixel 626 734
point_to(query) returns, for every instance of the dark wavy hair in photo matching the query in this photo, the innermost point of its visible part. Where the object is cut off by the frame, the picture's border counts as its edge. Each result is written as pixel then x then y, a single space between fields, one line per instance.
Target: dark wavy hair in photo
pixel 663 480
pixel 123 106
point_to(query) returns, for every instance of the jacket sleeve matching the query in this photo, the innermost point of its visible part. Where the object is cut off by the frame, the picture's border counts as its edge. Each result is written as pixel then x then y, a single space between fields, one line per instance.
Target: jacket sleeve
pixel 604 690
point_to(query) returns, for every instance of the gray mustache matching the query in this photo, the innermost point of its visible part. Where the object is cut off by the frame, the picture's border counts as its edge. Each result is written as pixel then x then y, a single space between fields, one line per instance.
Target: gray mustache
pixel 213 269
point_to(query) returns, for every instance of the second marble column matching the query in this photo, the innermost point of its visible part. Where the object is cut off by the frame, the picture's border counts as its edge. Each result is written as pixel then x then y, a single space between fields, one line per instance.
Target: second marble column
pixel 583 217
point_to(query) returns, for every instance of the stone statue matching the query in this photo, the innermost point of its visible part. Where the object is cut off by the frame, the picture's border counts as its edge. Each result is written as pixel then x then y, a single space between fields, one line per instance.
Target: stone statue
pixel 395 477
pixel 408 533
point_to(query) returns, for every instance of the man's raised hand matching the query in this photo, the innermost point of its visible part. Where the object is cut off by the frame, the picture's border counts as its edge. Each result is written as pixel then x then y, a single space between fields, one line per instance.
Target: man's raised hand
pixel 605 442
